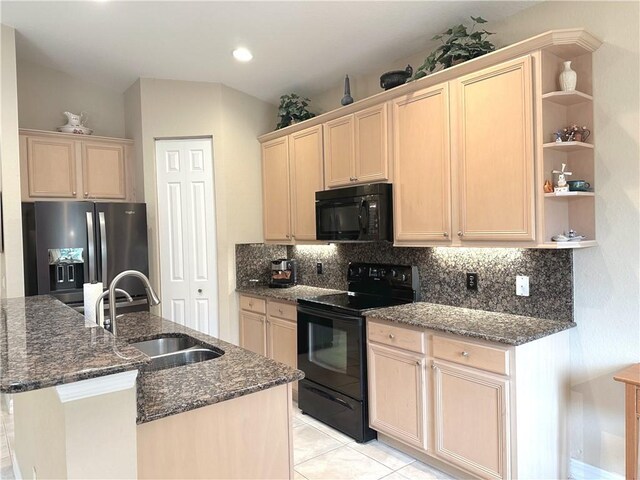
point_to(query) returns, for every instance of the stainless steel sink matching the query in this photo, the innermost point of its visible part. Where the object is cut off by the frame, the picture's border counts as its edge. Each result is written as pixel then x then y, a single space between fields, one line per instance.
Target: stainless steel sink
pixel 164 345
pixel 185 357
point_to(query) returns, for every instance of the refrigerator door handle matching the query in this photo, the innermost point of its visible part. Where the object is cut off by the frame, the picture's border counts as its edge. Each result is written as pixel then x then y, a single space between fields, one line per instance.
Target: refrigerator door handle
pixel 103 248
pixel 91 254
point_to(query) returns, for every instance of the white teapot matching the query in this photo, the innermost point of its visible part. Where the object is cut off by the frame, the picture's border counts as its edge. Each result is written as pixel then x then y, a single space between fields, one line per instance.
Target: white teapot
pixel 74 120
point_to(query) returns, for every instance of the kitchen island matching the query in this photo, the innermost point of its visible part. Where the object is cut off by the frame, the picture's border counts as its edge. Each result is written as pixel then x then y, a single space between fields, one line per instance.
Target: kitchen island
pixel 87 405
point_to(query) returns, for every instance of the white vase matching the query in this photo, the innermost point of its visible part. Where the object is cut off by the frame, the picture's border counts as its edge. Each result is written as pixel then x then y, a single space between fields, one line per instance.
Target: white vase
pixel 568 78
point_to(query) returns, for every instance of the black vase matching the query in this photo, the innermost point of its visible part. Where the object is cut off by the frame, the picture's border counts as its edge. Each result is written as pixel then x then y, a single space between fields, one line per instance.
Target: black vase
pixel 347 99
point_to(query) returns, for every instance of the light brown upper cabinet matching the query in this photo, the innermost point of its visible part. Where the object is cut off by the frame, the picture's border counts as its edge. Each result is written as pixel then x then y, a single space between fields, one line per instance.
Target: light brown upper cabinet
pixel 51 167
pixel 492 126
pixel 421 161
pixel 57 166
pixel 103 170
pixel 276 198
pixel 307 177
pixel 356 148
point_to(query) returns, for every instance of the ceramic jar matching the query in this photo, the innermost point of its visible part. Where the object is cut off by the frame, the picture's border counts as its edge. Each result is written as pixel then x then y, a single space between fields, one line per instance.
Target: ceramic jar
pixel 568 78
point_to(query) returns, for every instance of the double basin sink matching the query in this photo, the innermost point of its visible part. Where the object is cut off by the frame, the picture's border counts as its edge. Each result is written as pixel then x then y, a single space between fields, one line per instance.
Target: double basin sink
pixel 173 351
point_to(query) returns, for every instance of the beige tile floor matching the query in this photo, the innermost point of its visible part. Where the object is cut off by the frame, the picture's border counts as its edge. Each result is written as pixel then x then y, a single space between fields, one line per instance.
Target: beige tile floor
pixel 319 452
pixel 322 453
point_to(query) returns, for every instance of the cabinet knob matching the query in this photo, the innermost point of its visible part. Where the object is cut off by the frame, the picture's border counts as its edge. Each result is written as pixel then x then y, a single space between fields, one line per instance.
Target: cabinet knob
pixel 199 290
pixel 445 234
pixel 433 366
pixel 418 362
pixel 460 234
pixel 392 336
pixel 251 304
pixel 465 354
pixel 280 311
pixel 86 194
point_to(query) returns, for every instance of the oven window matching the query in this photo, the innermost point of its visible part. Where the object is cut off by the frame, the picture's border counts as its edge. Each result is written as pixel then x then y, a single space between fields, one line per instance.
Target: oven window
pixel 328 348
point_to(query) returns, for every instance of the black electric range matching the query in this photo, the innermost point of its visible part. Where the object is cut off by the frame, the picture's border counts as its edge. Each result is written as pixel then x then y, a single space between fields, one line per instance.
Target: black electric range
pixel 332 344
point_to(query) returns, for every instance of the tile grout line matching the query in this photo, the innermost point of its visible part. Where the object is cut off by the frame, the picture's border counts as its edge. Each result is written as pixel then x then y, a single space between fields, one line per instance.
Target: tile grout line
pixel 413 460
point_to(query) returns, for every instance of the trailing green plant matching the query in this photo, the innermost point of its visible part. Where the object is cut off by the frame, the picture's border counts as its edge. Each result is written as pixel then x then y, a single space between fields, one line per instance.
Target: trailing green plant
pixel 293 108
pixel 458 45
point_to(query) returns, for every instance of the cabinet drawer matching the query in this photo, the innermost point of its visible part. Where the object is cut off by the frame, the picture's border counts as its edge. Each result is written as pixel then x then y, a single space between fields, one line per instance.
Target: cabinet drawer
pixel 484 357
pixel 253 304
pixel 283 310
pixel 394 335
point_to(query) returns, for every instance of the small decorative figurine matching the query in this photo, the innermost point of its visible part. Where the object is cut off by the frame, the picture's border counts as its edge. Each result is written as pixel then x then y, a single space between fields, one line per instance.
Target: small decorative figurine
pixel 347 99
pixel 559 135
pixel 548 187
pixel 561 184
pixel 570 236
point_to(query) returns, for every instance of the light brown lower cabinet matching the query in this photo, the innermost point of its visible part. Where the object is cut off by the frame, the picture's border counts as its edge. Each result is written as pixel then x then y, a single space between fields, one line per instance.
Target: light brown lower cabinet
pixel 471 419
pixel 478 409
pixel 273 335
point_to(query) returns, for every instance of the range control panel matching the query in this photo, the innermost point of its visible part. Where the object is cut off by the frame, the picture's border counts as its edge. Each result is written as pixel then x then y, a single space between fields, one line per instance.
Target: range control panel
pixel 398 276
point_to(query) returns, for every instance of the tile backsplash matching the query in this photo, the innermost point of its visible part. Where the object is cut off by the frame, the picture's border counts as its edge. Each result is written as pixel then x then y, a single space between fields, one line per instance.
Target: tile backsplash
pixel 442 273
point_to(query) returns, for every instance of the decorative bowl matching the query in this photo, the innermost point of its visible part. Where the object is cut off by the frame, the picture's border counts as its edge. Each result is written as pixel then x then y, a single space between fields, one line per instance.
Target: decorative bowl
pixel 395 78
pixel 79 129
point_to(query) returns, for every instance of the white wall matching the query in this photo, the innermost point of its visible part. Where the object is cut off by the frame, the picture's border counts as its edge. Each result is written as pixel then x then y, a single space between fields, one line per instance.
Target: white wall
pixel 44 94
pixel 607 287
pixel 11 265
pixel 177 108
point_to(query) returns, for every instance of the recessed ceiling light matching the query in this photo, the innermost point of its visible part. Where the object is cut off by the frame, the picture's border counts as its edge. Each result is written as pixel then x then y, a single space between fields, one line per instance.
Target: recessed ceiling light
pixel 242 54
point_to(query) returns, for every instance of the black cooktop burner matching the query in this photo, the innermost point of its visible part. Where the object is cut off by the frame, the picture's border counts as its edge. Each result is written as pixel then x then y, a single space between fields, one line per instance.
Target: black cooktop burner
pixel 356 302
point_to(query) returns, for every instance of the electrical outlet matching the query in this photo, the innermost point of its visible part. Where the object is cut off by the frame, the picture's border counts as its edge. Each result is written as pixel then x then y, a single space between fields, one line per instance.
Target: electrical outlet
pixel 319 269
pixel 522 286
pixel 472 281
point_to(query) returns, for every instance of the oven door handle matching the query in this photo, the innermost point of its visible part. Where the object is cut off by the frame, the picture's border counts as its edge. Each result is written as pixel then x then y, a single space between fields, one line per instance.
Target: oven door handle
pixel 328 396
pixel 328 314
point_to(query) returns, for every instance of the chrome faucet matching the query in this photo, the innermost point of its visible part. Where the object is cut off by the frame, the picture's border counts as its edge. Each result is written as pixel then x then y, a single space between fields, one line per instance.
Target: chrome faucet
pixel 100 311
pixel 151 296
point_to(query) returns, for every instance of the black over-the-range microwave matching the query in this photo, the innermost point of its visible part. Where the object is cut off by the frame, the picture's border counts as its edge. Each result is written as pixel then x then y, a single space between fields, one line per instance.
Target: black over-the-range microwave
pixel 355 214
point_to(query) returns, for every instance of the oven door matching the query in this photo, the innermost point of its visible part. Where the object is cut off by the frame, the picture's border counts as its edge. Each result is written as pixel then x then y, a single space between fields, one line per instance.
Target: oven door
pixel 331 350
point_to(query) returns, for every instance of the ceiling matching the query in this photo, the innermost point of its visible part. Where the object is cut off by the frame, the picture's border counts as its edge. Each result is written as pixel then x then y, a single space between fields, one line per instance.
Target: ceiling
pixel 303 46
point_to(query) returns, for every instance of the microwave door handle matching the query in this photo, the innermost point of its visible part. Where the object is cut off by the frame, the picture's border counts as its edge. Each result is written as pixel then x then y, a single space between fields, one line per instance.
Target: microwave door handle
pixel 91 247
pixel 103 248
pixel 363 216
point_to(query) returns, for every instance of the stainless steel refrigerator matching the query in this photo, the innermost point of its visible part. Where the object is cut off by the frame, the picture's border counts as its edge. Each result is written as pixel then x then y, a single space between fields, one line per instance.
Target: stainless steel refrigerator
pixel 67 244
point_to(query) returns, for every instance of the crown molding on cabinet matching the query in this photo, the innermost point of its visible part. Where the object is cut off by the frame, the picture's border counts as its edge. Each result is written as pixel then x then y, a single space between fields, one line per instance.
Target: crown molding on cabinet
pixel 75 136
pixel 567 43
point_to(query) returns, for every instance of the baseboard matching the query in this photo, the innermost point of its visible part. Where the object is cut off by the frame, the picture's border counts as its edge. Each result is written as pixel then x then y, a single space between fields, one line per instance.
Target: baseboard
pixel 583 471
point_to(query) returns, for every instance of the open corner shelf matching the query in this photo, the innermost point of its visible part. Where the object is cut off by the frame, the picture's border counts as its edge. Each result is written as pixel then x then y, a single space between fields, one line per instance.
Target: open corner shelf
pixel 567 98
pixel 569 194
pixel 570 245
pixel 567 146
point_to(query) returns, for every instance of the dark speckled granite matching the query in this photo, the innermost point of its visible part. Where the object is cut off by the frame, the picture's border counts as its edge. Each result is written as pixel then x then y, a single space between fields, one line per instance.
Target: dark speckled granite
pixel 44 343
pixel 175 390
pixel 291 294
pixel 492 326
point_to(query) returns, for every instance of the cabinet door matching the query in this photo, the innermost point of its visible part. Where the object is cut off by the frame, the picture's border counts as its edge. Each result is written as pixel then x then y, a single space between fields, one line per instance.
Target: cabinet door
pixel 253 332
pixel 372 154
pixel 307 178
pixel 494 128
pixel 397 400
pixel 275 181
pixel 103 170
pixel 51 167
pixel 471 420
pixel 339 152
pixel 421 187
pixel 282 341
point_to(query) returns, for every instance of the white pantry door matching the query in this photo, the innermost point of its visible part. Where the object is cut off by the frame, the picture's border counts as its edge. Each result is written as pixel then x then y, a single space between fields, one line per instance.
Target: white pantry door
pixel 187 230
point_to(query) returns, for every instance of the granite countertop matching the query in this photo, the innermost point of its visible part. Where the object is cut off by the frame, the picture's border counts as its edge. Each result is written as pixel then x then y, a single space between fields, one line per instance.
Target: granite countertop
pixel 496 327
pixel 44 343
pixel 175 390
pixel 291 294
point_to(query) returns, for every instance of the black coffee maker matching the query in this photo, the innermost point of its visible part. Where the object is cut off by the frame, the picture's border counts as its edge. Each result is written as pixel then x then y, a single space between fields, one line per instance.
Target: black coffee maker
pixel 283 273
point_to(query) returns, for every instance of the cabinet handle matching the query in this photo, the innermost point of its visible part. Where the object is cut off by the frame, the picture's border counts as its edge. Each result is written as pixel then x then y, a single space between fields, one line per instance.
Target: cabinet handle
pixel 280 311
pixel 460 234
pixel 418 362
pixel 433 366
pixel 445 234
pixel 251 304
pixel 465 354
pixel 86 194
pixel 73 193
pixel 392 336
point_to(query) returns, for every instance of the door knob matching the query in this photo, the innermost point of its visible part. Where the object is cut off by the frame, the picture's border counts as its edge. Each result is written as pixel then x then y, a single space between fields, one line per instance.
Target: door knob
pixel 199 290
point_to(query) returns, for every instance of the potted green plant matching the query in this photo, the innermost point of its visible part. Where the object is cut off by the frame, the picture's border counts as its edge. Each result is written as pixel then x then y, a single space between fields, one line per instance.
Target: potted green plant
pixel 293 109
pixel 458 45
